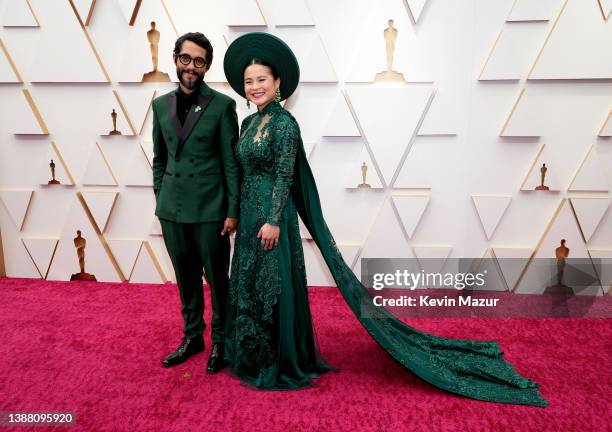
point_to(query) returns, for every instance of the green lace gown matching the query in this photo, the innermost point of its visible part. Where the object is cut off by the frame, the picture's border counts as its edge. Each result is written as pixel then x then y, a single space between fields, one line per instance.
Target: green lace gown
pixel 269 338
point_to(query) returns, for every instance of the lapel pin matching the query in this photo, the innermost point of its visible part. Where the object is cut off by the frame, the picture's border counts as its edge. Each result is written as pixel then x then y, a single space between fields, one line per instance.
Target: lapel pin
pixel 198 108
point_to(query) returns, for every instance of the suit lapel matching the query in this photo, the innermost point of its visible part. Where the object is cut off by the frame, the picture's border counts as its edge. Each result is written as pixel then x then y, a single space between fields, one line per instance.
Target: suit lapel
pixel 176 123
pixel 193 116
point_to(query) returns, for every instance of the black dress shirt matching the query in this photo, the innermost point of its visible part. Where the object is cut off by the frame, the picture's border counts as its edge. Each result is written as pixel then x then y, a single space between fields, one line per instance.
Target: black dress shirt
pixel 184 102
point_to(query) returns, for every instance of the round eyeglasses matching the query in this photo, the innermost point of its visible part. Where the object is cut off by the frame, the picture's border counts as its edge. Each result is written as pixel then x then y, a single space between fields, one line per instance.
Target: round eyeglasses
pixel 185 59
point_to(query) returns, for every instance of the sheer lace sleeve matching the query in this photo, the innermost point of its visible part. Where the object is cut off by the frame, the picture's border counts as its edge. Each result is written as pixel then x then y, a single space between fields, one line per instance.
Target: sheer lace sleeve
pixel 246 124
pixel 286 142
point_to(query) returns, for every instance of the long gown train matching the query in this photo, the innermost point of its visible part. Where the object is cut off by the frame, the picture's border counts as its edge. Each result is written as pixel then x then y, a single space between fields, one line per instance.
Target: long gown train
pixel 475 369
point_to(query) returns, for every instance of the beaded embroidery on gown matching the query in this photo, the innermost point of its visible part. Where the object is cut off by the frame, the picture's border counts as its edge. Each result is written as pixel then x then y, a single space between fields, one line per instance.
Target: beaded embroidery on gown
pixel 269 339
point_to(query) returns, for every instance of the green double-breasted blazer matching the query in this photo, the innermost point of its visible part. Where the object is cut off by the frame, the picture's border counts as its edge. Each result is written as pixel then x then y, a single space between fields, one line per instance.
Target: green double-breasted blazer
pixel 195 174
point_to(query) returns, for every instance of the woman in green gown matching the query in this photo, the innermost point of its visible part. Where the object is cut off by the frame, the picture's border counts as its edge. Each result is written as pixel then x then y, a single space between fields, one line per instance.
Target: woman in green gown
pixel 269 340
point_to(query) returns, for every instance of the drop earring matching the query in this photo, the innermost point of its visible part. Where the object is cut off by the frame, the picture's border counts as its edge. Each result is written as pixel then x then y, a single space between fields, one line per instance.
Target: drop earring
pixel 248 104
pixel 278 95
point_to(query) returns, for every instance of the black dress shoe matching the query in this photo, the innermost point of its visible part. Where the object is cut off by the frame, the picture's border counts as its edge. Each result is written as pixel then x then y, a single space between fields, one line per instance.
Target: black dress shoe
pixel 216 362
pixel 186 349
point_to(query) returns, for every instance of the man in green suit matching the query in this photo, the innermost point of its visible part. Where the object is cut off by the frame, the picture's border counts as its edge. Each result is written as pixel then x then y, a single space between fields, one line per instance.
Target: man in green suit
pixel 196 184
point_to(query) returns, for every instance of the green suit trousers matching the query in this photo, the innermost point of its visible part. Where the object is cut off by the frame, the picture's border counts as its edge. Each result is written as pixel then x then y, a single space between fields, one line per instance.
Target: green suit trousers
pixel 192 247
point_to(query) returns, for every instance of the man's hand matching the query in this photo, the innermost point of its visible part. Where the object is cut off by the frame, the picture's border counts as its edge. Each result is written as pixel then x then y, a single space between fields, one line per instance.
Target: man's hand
pixel 269 235
pixel 229 226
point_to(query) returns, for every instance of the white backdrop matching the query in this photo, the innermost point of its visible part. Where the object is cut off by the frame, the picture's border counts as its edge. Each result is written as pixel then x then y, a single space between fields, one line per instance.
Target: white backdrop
pixel 494 88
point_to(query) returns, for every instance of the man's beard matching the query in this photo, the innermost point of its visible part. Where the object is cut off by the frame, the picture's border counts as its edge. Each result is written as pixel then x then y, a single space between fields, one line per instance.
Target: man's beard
pixel 190 84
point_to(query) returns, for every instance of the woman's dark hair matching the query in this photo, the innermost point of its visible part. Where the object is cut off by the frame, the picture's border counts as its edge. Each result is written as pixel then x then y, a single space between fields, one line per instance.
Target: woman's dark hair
pixel 198 39
pixel 257 61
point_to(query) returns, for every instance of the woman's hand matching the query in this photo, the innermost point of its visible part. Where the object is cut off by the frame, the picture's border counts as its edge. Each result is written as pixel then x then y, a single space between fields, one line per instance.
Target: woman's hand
pixel 269 235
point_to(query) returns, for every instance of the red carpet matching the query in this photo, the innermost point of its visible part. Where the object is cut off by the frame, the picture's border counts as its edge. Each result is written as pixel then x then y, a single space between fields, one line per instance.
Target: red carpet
pixel 95 349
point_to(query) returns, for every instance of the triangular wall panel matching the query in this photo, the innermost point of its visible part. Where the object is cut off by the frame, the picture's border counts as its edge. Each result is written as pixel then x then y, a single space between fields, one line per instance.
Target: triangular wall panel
pixel 156 229
pixel 606 129
pixel 41 251
pixel 606 8
pixel 136 101
pixel 410 209
pixel 84 9
pixel 129 9
pixel 562 226
pixel 568 52
pixel 283 13
pixel 62 172
pixel 534 175
pixel 589 212
pixel 28 119
pixel 243 13
pixel 386 237
pixel 53 61
pixel 138 171
pixel 8 69
pixel 98 259
pixel 590 176
pixel 147 148
pixel 604 256
pixel 442 115
pixel 416 8
pixel 18 13
pixel 340 122
pixel 529 10
pixel 490 209
pixel 98 171
pixel 379 114
pixel 100 205
pixel 125 251
pixel 512 262
pixel 521 121
pixel 416 171
pixel 17 202
pixel 432 258
pixel 514 52
pixel 147 268
pixel 349 253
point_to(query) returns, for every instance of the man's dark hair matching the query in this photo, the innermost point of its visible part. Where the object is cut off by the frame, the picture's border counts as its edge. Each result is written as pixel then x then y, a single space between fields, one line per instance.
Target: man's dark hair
pixel 198 39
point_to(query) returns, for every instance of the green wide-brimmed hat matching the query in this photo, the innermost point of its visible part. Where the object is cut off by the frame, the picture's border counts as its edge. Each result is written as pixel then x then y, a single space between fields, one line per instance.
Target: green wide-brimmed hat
pixel 268 48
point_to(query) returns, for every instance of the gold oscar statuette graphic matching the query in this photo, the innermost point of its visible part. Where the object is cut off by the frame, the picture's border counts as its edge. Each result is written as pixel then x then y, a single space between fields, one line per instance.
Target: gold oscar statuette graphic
pixel 364 171
pixel 560 293
pixel 155 75
pixel 53 180
pixel 562 252
pixel 79 244
pixel 543 170
pixel 114 131
pixel 390 35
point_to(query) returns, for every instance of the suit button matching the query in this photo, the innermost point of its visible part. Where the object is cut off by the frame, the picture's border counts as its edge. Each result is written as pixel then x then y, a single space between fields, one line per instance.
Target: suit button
pixel 191 160
pixel 190 175
pixel 177 175
pixel 178 159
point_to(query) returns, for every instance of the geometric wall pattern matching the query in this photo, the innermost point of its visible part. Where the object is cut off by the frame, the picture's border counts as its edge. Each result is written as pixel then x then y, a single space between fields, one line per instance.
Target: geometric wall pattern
pixel 490 209
pixel 454 148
